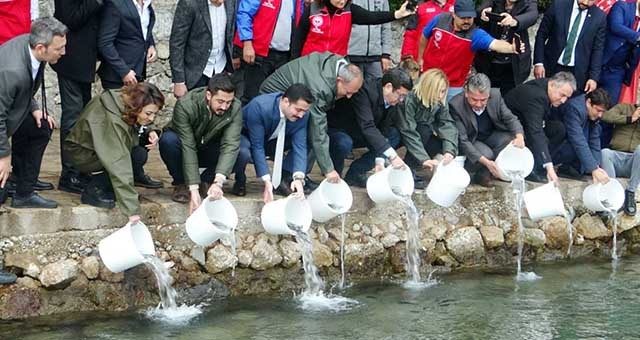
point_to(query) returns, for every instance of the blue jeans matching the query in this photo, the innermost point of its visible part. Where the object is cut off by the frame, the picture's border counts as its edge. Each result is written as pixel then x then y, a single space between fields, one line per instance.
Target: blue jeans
pixel 623 164
pixel 340 145
pixel 367 161
pixel 171 153
pixel 244 157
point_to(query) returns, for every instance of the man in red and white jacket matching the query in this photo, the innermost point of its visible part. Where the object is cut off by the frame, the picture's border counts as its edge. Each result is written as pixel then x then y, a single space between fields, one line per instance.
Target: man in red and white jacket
pixel 16 17
pixel 416 23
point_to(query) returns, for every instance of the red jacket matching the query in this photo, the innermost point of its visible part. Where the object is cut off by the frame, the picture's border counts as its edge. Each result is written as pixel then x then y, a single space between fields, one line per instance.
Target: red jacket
pixel 425 12
pixel 15 18
pixel 328 33
pixel 256 21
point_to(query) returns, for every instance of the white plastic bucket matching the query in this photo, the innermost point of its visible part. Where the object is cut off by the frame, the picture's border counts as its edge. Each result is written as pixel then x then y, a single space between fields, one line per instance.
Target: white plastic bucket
pixel 330 200
pixel 125 247
pixel 277 214
pixel 460 160
pixel 544 201
pixel 380 184
pixel 211 221
pixel 447 183
pixel 595 194
pixel 514 159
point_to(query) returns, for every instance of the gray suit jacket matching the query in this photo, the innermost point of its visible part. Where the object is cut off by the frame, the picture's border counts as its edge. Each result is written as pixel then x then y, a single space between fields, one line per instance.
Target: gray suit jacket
pixel 190 42
pixel 465 118
pixel 17 88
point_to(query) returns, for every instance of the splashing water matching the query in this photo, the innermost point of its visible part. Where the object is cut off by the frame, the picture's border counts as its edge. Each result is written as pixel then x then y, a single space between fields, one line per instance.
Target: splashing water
pixel 167 310
pixel 343 217
pixel 412 264
pixel 231 239
pixel 313 298
pixel 519 186
pixel 614 222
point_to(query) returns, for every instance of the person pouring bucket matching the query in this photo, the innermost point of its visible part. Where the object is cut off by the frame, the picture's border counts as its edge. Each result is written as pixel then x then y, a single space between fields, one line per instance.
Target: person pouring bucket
pixel 100 144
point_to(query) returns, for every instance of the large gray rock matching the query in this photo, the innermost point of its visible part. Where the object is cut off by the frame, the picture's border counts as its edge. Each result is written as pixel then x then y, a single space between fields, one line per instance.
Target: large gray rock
pixel 265 255
pixel 465 244
pixel 59 274
pixel 492 236
pixel 90 266
pixel 389 240
pixel 27 263
pixel 592 227
pixel 627 222
pixel 219 259
pixel 290 252
pixel 354 253
pixel 534 237
pixel 556 232
pixel 322 256
pixel 434 229
pixel 245 257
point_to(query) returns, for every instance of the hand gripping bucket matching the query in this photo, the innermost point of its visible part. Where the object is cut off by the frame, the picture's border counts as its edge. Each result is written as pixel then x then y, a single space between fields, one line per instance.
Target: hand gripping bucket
pixel 290 210
pixel 330 200
pixel 513 159
pixel 125 248
pixel 380 185
pixel 448 182
pixel 604 197
pixel 211 221
pixel 544 201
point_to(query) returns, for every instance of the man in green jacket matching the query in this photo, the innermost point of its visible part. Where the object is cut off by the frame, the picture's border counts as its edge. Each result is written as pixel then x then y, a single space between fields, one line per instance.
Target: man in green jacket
pixel 622 158
pixel 329 77
pixel 204 132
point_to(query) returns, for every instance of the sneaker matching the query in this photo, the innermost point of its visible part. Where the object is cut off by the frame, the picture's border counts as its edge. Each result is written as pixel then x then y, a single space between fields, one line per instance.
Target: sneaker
pixel 629 203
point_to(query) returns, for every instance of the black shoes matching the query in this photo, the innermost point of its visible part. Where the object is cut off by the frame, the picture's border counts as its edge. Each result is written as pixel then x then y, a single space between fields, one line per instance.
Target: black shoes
pixel 629 203
pixel 483 178
pixel 33 201
pixel 96 196
pixel 538 177
pixel 359 181
pixel 7 278
pixel 147 182
pixel 10 186
pixel 72 184
pixel 283 190
pixel 309 185
pixel 239 189
pixel 567 171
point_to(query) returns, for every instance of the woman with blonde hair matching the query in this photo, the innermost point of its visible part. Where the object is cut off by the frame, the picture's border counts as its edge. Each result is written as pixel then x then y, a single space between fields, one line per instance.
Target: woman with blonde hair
pixel 101 141
pixel 425 123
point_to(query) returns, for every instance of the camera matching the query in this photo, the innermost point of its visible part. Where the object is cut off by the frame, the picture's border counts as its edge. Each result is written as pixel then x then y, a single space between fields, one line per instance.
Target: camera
pixel 412 4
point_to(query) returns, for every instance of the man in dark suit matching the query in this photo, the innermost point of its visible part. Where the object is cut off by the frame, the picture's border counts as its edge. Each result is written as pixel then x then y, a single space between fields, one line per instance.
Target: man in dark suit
pixel 571 39
pixel 507 70
pixel 531 102
pixel 485 125
pixel 21 120
pixel 126 45
pixel 621 54
pixel 201 42
pixel 367 120
pixel 271 124
pixel 580 152
pixel 76 71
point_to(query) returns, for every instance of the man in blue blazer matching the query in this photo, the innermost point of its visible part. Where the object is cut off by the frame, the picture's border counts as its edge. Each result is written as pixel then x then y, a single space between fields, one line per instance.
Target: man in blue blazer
pixel 621 54
pixel 571 39
pixel 262 120
pixel 580 153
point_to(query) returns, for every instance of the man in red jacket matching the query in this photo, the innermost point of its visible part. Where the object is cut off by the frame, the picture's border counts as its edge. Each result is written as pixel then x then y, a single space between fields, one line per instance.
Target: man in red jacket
pixel 15 17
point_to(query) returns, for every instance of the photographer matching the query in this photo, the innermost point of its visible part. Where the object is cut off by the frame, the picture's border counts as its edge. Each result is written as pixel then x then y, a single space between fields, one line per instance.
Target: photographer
pixel 504 19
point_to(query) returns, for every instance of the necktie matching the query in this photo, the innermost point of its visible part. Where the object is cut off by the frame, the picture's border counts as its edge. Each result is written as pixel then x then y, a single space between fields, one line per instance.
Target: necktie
pixel 277 163
pixel 571 39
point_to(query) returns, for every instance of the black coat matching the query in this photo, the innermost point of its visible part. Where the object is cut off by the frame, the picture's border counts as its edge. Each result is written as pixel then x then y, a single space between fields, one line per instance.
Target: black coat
pixel 120 43
pixel 552 38
pixel 82 17
pixel 526 13
pixel 530 103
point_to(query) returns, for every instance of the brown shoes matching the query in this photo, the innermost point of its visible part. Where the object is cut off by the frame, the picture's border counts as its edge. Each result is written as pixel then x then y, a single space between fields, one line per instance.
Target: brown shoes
pixel 180 194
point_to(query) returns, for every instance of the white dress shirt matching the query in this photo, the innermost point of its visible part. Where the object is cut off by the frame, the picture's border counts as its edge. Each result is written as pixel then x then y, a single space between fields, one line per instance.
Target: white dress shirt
pixel 145 16
pixel 217 57
pixel 574 14
pixel 35 65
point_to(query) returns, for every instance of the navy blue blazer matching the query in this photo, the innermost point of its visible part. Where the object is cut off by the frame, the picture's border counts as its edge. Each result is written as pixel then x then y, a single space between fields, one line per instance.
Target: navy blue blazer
pixel 582 133
pixel 120 42
pixel 621 38
pixel 552 38
pixel 260 119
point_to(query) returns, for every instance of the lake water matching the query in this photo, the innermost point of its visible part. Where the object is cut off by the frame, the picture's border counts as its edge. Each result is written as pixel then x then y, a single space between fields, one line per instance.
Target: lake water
pixel 572 301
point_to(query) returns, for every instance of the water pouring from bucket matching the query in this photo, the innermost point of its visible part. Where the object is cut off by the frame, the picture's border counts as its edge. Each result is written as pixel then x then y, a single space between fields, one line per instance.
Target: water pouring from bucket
pixel 390 185
pixel 608 198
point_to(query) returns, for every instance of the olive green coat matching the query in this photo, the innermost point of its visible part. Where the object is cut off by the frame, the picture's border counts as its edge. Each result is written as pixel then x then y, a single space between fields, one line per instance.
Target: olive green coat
pixel 101 140
pixel 196 126
pixel 413 114
pixel 626 135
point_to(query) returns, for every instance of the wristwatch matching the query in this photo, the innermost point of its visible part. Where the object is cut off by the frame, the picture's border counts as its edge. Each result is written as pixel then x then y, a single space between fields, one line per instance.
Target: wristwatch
pixel 300 178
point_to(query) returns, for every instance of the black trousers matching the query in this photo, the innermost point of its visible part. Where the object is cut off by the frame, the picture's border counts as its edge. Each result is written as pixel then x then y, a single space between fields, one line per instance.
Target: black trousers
pixel 74 95
pixel 489 148
pixel 255 74
pixel 431 143
pixel 27 150
pixel 501 76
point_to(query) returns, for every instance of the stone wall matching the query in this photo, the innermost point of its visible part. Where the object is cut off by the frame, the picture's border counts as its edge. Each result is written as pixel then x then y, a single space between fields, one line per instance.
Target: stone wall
pixel 60 270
